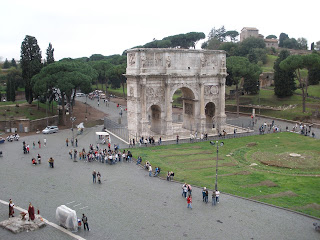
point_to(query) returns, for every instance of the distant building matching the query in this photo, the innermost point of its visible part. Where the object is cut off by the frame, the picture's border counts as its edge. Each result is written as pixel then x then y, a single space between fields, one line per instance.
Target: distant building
pixel 247 32
pixel 271 43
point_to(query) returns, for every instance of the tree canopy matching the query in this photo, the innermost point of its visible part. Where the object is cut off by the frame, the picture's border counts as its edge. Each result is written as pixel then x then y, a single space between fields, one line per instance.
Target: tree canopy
pixel 50 57
pixel 6 64
pixel 297 62
pixel 240 68
pixel 186 41
pixel 13 63
pixel 284 84
pixel 30 63
pixel 271 37
pixel 66 76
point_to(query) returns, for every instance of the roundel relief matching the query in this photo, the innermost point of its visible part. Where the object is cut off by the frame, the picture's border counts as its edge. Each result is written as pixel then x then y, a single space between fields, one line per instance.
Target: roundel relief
pixel 210 90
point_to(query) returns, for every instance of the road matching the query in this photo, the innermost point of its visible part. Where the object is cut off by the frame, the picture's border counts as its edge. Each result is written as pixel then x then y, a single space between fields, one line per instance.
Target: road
pixel 129 204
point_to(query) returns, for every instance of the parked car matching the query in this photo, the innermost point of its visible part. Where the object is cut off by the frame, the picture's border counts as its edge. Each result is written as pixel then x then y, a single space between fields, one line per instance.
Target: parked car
pixel 2 140
pixel 50 129
pixel 80 95
pixel 102 96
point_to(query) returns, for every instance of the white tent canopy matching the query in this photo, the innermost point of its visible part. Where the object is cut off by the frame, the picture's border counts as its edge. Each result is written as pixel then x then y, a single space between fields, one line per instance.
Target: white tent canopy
pixel 102 133
pixel 103 137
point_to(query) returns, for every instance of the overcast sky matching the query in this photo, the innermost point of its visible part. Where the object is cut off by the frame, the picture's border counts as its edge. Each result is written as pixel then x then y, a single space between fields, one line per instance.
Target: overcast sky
pixel 78 28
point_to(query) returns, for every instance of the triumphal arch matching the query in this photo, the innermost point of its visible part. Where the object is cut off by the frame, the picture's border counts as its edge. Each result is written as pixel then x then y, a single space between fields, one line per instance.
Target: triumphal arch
pixel 154 75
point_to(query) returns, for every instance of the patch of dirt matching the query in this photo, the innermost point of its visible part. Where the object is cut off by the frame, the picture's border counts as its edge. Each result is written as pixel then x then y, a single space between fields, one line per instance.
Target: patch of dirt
pixel 314 206
pixel 197 160
pixel 308 160
pixel 236 173
pixel 276 195
pixel 252 144
pixel 202 167
pixel 201 159
pixel 94 117
pixel 185 148
pixel 79 111
pixel 186 154
pixel 267 183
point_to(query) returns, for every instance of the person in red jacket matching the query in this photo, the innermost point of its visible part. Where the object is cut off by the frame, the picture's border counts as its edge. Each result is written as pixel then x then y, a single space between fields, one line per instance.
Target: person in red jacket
pixel 189 201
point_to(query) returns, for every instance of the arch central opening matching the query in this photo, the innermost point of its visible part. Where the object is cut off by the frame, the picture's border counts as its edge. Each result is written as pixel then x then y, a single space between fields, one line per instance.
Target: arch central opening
pixel 183 111
pixel 155 119
pixel 210 110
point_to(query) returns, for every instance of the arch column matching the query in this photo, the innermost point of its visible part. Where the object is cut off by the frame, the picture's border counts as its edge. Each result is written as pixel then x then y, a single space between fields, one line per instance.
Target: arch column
pixel 202 118
pixel 167 126
pixel 221 116
pixel 144 114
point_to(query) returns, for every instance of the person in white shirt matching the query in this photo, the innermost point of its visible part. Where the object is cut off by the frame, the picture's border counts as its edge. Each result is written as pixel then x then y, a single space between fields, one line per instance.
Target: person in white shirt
pixel 217 196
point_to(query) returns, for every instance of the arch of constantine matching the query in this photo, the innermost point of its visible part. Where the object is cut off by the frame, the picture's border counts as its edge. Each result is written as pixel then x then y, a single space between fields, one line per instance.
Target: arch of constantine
pixel 154 75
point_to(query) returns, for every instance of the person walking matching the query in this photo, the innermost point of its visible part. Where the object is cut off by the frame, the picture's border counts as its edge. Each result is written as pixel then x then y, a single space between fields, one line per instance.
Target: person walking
pixel 45 142
pixel 39 158
pixel 189 201
pixel 99 177
pixel 11 209
pixel 150 171
pixel 85 222
pixel 76 142
pixel 39 143
pixel 51 161
pixel 217 196
pixel 184 190
pixel 206 196
pixel 75 152
pixel 67 142
pixel 214 201
pixel 94 176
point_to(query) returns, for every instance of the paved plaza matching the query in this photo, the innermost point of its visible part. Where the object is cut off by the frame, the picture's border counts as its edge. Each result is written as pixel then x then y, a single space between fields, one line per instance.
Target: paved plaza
pixel 129 204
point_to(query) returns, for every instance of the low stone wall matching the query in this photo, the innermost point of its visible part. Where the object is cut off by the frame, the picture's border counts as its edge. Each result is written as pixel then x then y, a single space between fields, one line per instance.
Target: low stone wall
pixel 26 125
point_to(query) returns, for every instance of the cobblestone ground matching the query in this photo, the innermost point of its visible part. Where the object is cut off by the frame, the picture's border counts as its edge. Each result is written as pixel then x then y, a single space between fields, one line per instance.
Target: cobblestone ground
pixel 129 204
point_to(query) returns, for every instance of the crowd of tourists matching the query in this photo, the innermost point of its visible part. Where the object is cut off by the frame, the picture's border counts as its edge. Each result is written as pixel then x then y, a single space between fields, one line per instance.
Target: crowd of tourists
pixel 102 155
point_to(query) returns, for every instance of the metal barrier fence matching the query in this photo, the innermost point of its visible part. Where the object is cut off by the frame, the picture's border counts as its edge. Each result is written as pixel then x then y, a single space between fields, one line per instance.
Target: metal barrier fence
pixel 117 129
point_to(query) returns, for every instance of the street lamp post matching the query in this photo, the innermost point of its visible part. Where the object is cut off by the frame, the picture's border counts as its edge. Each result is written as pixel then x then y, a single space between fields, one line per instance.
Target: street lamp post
pixel 72 121
pixel 221 144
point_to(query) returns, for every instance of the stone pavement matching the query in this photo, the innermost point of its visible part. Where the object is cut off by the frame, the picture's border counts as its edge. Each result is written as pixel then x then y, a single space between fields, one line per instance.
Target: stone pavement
pixel 129 204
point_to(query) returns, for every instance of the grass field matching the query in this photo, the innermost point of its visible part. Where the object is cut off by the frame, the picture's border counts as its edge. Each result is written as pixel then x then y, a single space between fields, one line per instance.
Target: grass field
pixel 10 110
pixel 277 178
pixel 268 67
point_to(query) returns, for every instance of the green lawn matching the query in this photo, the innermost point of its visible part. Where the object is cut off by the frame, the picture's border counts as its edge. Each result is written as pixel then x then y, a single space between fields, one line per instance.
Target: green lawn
pixel 268 67
pixel 268 99
pixel 295 180
pixel 313 90
pixel 10 110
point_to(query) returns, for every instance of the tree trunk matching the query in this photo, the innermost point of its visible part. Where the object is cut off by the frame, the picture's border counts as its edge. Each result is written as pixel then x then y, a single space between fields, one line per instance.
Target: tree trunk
pixel 237 99
pixel 303 98
pixel 63 118
pixel 107 88
pixel 124 95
